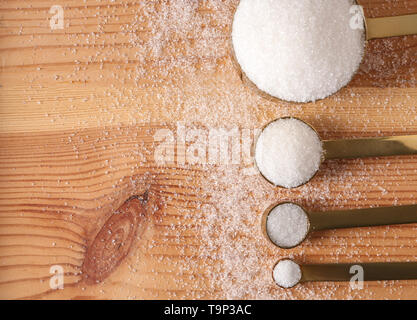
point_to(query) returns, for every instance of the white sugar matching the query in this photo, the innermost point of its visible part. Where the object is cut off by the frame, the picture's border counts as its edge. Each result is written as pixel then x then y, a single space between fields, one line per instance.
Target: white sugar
pixel 298 51
pixel 288 152
pixel 287 273
pixel 287 225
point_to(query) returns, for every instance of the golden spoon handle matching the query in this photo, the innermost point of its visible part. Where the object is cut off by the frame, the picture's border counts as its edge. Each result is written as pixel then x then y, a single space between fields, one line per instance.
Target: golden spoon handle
pixel 371 147
pixel 363 217
pixel 371 271
pixel 391 26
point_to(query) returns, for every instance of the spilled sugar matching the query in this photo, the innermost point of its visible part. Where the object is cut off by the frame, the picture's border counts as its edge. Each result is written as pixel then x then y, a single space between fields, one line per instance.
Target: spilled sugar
pixel 287 225
pixel 300 50
pixel 288 152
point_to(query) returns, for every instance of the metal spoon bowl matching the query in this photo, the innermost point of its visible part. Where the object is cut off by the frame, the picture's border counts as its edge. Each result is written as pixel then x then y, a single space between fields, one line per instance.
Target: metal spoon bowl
pixel 257 139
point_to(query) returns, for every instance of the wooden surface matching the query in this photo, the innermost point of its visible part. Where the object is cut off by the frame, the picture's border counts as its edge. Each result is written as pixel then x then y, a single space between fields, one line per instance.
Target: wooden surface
pixel 81 107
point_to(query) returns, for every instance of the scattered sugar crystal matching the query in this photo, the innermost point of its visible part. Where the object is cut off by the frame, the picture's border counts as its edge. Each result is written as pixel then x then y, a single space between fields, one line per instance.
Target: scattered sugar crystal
pixel 287 225
pixel 287 273
pixel 298 51
pixel 288 152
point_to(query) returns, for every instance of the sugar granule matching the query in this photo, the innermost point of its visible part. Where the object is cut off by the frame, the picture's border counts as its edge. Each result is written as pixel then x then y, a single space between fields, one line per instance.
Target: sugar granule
pixel 287 273
pixel 288 152
pixel 287 225
pixel 300 50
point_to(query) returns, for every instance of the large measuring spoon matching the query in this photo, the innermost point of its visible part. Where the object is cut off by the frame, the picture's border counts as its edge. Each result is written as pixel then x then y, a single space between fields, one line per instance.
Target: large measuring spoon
pixel 278 51
pixel 289 152
pixel 287 225
pixel 288 274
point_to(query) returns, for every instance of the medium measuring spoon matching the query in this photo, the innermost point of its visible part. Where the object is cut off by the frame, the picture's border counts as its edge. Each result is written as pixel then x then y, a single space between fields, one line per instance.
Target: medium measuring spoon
pixel 295 172
pixel 287 225
pixel 372 28
pixel 288 274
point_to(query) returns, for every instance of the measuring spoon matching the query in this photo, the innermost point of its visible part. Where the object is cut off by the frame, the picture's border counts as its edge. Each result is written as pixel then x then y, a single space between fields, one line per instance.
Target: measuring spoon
pixel 332 149
pixel 373 28
pixel 287 225
pixel 288 274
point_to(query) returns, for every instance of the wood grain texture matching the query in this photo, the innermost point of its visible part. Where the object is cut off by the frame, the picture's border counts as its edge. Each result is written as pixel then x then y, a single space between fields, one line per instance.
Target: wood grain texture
pixel 80 112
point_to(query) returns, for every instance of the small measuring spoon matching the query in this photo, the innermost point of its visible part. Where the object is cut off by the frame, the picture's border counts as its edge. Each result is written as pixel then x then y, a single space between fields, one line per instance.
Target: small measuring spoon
pixel 338 149
pixel 288 274
pixel 374 28
pixel 287 225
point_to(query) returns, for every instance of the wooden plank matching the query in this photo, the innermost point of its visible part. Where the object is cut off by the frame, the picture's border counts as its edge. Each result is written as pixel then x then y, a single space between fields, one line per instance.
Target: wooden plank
pixel 85 110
